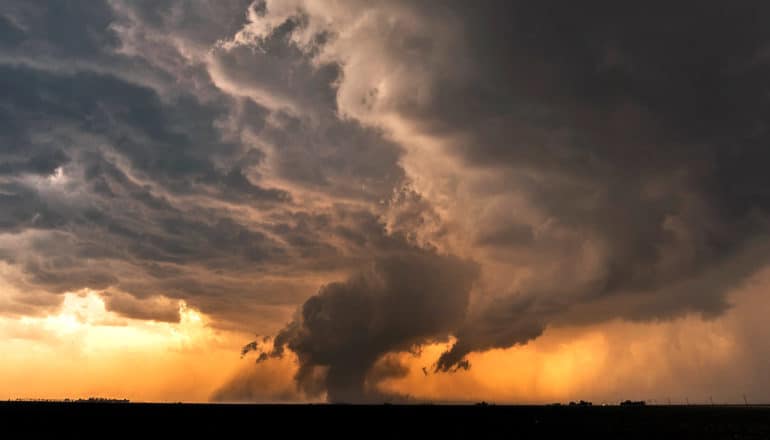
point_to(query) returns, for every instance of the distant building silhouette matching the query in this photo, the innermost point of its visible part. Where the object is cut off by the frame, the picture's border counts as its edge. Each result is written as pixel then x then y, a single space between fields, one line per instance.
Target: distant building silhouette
pixel 633 403
pixel 581 403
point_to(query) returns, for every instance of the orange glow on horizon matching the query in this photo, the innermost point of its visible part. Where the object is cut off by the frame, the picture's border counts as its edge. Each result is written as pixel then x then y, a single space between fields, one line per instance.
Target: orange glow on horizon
pixel 84 350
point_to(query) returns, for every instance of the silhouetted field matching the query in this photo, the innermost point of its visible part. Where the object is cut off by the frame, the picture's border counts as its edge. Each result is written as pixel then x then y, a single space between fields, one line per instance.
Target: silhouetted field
pixel 385 421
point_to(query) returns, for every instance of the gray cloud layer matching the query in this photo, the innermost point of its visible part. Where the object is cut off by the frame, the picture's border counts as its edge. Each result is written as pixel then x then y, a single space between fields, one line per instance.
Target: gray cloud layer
pixel 595 160
pixel 124 167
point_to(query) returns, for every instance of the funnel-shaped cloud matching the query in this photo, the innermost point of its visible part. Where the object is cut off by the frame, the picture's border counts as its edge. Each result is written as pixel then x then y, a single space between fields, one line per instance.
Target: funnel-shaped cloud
pixel 399 302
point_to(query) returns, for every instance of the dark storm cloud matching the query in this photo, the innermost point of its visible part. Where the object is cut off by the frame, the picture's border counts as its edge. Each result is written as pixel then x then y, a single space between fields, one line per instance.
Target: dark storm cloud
pixel 312 145
pixel 259 70
pixel 123 166
pixel 200 22
pixel 620 148
pixel 44 163
pixel 104 105
pixel 71 29
pixel 399 302
pixel 10 33
pixel 597 160
pixel 25 209
pixel 616 100
pixel 136 123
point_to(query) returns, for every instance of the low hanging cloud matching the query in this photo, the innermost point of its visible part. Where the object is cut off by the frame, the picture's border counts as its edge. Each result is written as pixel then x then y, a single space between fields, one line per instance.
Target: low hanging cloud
pixel 398 303
pixel 156 309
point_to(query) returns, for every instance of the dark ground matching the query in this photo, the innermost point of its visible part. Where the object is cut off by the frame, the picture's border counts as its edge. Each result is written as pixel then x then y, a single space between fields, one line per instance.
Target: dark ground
pixel 387 421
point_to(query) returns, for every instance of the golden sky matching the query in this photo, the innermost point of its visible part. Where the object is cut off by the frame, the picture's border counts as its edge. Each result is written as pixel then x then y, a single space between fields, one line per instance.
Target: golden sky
pixel 83 350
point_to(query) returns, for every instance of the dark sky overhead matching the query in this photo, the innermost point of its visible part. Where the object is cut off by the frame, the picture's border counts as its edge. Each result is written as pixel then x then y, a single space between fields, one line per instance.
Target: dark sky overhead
pixel 377 187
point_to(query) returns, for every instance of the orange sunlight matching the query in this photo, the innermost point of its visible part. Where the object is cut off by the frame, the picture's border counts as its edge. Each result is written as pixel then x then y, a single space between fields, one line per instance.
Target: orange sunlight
pixel 84 350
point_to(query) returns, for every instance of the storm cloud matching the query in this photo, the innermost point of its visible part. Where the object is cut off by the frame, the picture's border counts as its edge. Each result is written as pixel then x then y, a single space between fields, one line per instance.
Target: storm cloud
pixel 598 161
pixel 398 303
pixel 479 172
pixel 125 166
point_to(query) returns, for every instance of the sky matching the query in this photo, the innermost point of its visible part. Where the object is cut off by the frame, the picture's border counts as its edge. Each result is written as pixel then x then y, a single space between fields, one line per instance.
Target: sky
pixel 396 201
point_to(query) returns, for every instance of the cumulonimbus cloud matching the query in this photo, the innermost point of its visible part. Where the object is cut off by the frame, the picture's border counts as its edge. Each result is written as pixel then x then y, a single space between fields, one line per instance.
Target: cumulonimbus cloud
pixel 575 163
pixel 399 302
pixel 591 158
